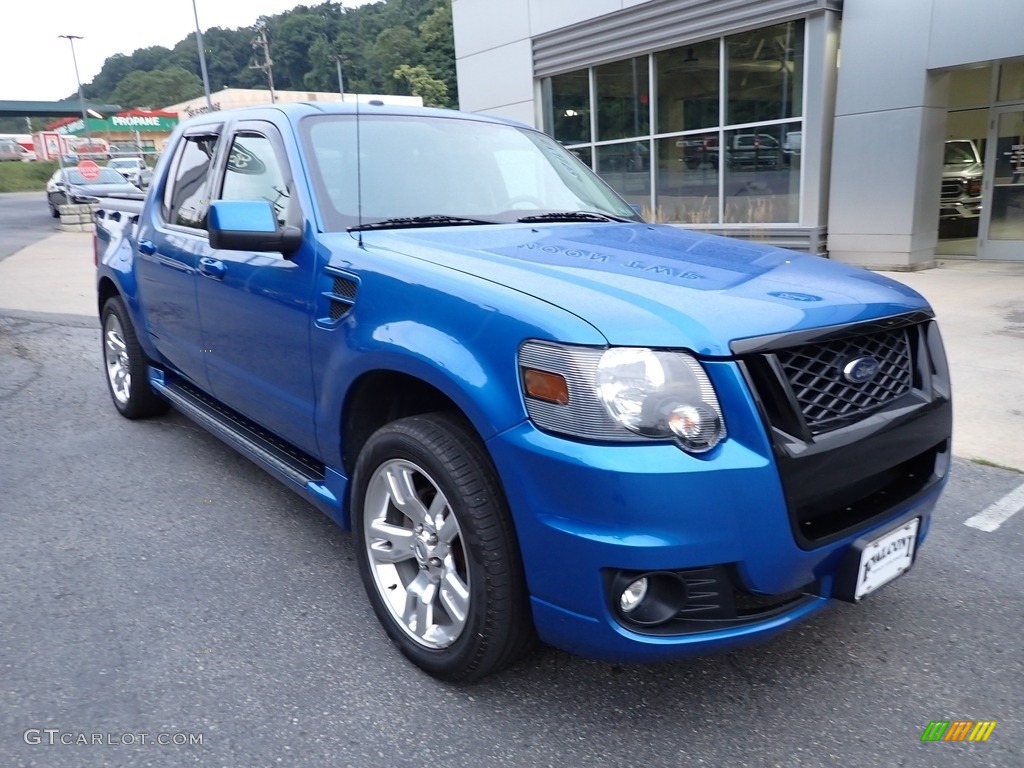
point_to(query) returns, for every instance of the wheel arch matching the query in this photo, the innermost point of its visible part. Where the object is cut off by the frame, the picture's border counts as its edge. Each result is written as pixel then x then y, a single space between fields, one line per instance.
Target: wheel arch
pixel 378 397
pixel 106 289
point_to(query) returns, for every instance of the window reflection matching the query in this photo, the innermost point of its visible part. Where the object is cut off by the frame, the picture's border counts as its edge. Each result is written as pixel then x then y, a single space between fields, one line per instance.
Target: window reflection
pixel 765 73
pixel 623 101
pixel 760 187
pixel 626 168
pixel 687 83
pixel 752 178
pixel 584 154
pixel 687 179
pixel 567 106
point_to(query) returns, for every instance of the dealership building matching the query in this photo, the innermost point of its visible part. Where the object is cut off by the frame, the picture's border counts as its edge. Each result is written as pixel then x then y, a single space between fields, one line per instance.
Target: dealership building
pixel 841 128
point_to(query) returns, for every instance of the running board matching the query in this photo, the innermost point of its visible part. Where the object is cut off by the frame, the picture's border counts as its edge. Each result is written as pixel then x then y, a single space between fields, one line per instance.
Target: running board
pixel 242 434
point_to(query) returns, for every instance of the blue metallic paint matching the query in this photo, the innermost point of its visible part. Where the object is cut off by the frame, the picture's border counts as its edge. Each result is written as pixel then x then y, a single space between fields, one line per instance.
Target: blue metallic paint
pixel 452 306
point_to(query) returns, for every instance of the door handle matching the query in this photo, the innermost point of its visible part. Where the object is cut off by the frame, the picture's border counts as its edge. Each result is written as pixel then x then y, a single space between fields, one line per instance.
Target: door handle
pixel 147 248
pixel 211 267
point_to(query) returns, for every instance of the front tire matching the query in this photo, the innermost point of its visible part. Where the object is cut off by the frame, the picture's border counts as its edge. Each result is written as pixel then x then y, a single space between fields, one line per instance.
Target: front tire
pixel 125 364
pixel 437 551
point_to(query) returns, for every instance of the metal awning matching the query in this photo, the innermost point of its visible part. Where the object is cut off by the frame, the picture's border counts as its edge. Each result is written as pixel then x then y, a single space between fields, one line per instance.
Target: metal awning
pixel 54 108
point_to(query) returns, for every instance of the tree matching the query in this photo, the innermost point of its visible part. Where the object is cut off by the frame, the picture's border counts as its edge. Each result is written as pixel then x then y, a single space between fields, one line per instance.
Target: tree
pixel 374 39
pixel 438 41
pixel 420 83
pixel 157 89
pixel 393 47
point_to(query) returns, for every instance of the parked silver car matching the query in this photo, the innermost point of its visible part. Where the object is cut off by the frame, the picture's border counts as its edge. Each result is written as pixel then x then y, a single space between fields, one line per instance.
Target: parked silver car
pixel 134 169
pixel 68 185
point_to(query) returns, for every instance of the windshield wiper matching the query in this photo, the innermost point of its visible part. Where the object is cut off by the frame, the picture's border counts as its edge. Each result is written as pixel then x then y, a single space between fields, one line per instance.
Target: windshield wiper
pixel 571 216
pixel 410 222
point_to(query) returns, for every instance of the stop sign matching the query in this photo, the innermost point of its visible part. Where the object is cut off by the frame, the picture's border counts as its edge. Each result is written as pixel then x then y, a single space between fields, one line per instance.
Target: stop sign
pixel 89 170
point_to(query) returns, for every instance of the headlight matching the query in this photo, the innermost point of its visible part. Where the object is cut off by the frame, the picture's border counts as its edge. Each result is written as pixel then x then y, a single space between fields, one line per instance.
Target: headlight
pixel 660 395
pixel 623 394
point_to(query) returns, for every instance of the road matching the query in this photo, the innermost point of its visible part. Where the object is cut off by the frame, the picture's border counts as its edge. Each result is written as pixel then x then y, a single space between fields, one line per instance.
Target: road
pixel 153 581
pixel 24 219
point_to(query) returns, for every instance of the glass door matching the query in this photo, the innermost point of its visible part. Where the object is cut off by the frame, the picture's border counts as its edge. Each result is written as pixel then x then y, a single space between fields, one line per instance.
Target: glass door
pixel 1002 217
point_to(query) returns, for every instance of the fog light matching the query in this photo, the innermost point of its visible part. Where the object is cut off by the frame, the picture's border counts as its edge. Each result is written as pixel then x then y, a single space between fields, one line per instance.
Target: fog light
pixel 651 598
pixel 633 595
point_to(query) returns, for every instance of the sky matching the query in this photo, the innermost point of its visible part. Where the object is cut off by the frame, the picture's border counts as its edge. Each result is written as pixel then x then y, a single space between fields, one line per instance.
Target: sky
pixel 35 64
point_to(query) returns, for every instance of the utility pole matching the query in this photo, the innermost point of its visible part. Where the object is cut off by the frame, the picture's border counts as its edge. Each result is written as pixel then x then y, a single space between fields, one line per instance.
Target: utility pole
pixel 260 44
pixel 202 59
pixel 341 80
pixel 81 100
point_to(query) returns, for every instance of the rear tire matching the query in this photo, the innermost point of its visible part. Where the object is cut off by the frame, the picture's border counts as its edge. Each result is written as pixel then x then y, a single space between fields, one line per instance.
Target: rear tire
pixel 125 365
pixel 437 551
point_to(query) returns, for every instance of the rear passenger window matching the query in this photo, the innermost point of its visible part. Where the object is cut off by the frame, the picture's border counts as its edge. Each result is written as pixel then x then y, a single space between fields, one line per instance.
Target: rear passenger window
pixel 187 198
pixel 254 173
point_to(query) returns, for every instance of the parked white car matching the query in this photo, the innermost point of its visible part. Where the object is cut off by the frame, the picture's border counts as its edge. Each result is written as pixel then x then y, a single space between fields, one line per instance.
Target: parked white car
pixel 134 169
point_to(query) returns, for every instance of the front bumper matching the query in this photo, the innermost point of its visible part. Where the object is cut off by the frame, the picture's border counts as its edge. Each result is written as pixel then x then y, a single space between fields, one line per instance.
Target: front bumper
pixel 585 513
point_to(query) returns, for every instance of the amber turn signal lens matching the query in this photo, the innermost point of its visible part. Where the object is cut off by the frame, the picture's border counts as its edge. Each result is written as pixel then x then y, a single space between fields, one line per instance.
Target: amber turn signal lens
pixel 546 386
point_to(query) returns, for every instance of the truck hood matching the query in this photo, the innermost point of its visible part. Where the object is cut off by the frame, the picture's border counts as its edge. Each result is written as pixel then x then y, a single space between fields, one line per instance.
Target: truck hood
pixel 967 170
pixel 659 286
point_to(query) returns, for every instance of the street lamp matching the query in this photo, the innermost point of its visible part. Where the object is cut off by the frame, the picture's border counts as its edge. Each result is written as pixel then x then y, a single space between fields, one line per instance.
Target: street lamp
pixel 81 101
pixel 202 59
pixel 341 80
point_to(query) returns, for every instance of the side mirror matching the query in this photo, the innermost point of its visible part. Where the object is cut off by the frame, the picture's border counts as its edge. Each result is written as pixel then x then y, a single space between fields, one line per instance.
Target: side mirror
pixel 250 225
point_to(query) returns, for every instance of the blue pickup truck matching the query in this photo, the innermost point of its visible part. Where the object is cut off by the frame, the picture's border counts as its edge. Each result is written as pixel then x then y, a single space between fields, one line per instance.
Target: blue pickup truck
pixel 540 416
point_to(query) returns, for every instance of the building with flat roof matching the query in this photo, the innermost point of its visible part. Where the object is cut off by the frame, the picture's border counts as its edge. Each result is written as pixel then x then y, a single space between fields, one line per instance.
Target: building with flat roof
pixel 879 133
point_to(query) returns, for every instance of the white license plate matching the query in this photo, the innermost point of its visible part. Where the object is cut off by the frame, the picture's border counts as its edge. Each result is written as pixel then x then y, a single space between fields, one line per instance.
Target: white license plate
pixel 886 557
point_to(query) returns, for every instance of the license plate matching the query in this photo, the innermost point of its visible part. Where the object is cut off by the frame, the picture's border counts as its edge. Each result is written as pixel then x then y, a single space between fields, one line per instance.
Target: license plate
pixel 886 557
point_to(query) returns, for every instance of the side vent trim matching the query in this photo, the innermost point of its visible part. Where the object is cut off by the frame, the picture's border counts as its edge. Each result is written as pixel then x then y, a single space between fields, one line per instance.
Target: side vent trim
pixel 341 298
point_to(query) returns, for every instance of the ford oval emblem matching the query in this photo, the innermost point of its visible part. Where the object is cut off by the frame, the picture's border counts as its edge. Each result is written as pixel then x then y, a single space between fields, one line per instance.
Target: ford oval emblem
pixel 861 370
pixel 793 296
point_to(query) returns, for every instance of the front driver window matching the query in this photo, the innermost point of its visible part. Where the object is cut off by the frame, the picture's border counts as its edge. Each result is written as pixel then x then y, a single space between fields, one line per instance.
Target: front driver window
pixel 254 173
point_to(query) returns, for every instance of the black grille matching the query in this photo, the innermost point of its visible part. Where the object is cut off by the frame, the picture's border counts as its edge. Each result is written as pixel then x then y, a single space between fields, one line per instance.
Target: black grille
pixel 344 288
pixel 343 296
pixel 338 309
pixel 715 599
pixel 826 398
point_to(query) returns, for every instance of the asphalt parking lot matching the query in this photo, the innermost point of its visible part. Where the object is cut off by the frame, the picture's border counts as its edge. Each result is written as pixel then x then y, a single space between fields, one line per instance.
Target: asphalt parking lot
pixel 154 582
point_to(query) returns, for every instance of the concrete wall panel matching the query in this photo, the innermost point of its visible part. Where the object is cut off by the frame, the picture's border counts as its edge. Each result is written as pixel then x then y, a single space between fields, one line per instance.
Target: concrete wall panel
pixel 484 24
pixel 496 77
pixel 983 30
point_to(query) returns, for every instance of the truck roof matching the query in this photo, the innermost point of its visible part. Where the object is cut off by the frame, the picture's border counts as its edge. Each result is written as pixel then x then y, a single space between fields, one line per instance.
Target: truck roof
pixel 295 111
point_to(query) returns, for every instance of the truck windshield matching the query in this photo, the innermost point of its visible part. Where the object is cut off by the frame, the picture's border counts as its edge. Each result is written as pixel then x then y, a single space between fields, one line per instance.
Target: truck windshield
pixel 416 166
pixel 960 153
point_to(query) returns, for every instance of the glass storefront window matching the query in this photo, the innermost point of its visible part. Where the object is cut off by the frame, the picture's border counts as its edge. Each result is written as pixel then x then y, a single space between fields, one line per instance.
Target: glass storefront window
pixel 623 99
pixel 1011 81
pixel 567 106
pixel 1007 222
pixel 762 174
pixel 626 167
pixel 584 154
pixel 752 178
pixel 687 179
pixel 970 86
pixel 765 69
pixel 688 87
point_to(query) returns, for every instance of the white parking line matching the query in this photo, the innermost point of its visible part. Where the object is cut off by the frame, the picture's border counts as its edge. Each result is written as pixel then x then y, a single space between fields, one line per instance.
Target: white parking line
pixel 996 514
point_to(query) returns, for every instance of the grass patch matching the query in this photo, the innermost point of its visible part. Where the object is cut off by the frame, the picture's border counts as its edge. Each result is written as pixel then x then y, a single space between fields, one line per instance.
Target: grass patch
pixel 987 463
pixel 25 177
